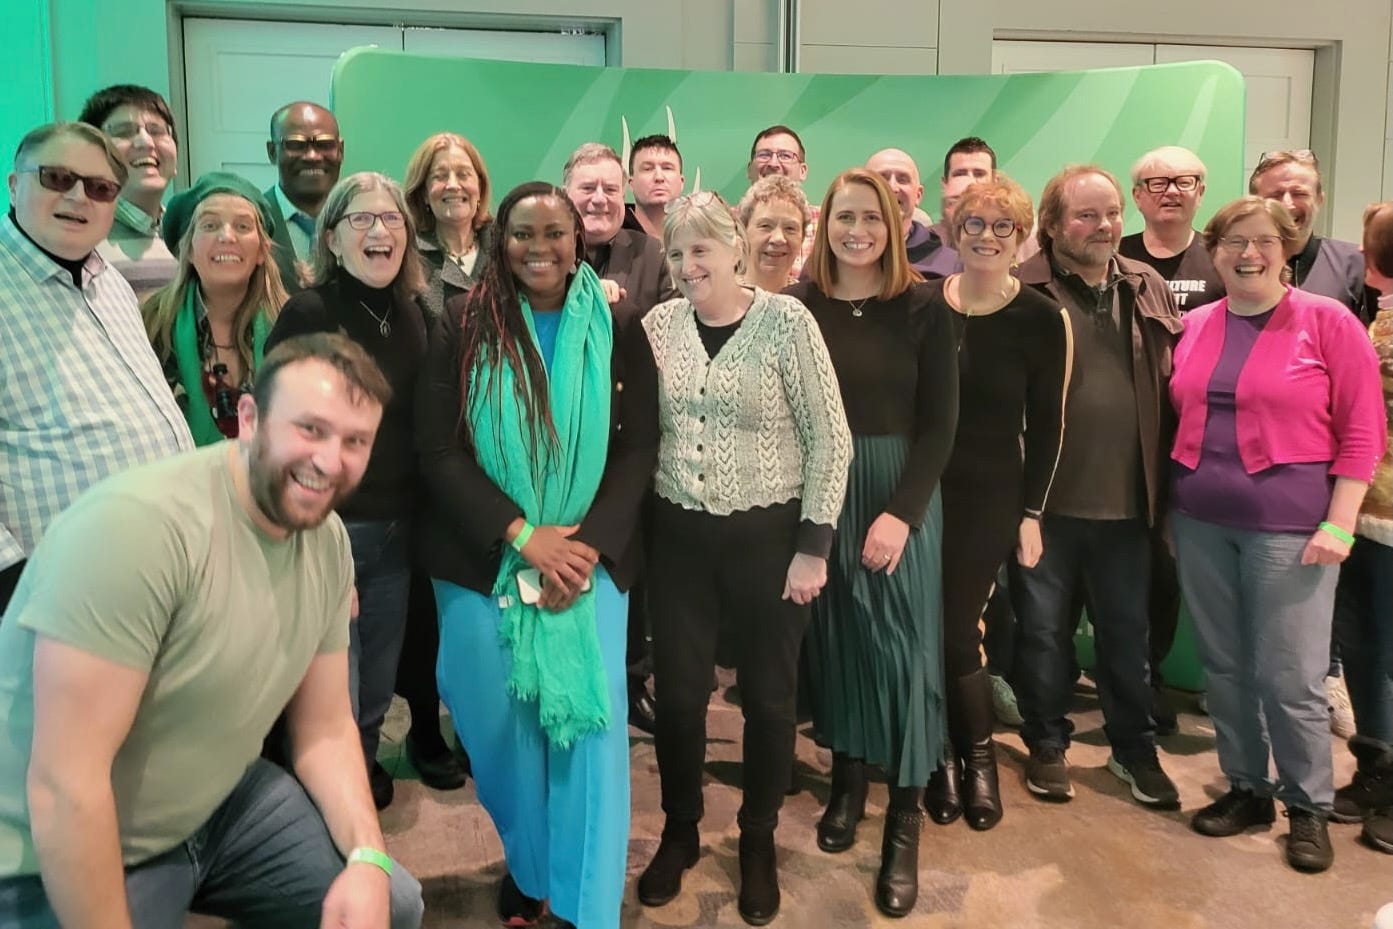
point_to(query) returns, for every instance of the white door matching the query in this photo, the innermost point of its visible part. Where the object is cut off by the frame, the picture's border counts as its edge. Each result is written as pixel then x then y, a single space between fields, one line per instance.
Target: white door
pixel 238 72
pixel 1024 57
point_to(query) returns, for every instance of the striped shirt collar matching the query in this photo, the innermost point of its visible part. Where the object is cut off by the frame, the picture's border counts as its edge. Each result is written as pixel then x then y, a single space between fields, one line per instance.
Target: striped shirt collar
pixel 39 264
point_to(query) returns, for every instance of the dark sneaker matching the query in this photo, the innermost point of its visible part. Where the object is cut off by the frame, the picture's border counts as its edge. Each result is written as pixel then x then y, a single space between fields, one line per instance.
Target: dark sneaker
pixel 1234 812
pixel 1150 785
pixel 515 908
pixel 1378 830
pixel 1047 775
pixel 380 781
pixel 1308 841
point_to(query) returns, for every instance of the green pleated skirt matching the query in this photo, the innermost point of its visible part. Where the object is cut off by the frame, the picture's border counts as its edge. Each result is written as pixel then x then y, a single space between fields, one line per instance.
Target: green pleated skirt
pixel 874 649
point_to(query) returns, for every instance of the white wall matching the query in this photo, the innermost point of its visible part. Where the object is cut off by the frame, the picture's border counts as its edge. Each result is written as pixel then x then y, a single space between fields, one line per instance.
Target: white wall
pixel 98 42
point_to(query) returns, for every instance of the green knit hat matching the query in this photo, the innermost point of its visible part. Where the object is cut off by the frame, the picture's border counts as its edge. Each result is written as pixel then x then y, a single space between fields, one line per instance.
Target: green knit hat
pixel 179 213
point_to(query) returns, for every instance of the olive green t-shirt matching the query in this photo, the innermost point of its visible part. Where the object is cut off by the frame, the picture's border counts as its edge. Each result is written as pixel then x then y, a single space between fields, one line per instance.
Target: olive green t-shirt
pixel 161 569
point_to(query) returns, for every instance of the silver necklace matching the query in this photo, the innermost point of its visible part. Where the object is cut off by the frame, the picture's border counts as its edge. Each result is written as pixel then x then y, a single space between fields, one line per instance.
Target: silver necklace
pixel 383 326
pixel 856 307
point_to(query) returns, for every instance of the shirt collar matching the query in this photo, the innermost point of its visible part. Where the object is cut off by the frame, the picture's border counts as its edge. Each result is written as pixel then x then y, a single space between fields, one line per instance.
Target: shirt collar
pixel 136 219
pixel 287 208
pixel 39 263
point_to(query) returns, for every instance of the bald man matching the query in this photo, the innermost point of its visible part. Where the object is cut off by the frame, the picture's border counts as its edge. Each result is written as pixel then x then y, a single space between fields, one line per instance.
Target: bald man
pixel 307 151
pixel 927 251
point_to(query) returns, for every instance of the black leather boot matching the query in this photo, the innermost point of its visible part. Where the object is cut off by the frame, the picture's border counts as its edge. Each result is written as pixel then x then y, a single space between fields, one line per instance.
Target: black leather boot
pixel 1375 758
pixel 677 851
pixel 846 805
pixel 759 878
pixel 897 884
pixel 970 722
pixel 941 798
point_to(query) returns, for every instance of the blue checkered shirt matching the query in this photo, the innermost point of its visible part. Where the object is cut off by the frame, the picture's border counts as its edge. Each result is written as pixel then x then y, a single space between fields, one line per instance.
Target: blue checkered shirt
pixel 81 392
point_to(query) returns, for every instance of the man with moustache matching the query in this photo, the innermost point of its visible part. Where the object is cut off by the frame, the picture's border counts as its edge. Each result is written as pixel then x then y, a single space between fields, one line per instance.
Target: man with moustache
pixel 130 787
pixel 927 251
pixel 1167 187
pixel 1320 265
pixel 655 177
pixel 307 151
pixel 1107 493
pixel 634 262
pixel 84 396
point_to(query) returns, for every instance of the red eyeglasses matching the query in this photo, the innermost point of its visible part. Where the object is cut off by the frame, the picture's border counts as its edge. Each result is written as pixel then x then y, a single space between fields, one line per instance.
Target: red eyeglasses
pixel 62 180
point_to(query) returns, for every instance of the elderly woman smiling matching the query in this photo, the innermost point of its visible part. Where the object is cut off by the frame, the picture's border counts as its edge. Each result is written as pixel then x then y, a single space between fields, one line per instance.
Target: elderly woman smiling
pixel 447 192
pixel 775 213
pixel 1281 426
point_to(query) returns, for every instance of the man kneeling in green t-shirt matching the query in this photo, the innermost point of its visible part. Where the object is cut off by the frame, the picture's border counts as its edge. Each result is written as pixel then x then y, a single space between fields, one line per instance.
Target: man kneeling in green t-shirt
pixel 161 625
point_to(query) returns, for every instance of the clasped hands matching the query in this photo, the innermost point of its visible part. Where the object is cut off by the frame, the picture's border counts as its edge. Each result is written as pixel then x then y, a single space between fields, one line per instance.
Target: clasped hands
pixel 565 564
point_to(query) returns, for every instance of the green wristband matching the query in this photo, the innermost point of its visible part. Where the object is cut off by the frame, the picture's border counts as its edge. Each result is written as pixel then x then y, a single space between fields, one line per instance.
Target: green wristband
pixel 364 855
pixel 1337 532
pixel 523 535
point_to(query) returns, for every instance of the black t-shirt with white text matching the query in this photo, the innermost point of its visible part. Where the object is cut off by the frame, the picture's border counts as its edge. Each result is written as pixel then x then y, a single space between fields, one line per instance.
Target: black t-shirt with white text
pixel 1190 274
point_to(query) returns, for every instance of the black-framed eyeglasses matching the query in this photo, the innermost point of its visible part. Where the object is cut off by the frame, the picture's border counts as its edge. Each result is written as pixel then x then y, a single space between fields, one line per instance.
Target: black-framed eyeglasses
pixel 783 156
pixel 1289 154
pixel 300 145
pixel 60 179
pixel 1159 185
pixel 1002 228
pixel 362 220
pixel 156 129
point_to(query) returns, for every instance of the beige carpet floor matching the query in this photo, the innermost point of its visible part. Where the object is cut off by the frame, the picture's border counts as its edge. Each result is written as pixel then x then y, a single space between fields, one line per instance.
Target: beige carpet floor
pixel 1098 862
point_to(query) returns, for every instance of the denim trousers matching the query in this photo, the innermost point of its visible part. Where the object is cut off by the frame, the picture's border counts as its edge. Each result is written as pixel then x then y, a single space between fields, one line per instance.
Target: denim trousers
pixel 264 858
pixel 1262 620
pixel 382 574
pixel 1108 561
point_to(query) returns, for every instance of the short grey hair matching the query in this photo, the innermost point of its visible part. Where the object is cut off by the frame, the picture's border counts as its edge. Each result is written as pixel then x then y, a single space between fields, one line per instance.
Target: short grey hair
pixel 774 187
pixel 591 153
pixel 35 138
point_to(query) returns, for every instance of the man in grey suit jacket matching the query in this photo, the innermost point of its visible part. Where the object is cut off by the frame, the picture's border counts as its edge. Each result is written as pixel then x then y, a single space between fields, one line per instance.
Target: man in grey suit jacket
pixel 307 150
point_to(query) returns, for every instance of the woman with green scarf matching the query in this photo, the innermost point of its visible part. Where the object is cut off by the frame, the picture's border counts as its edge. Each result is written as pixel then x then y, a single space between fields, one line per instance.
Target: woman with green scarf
pixel 209 324
pixel 537 428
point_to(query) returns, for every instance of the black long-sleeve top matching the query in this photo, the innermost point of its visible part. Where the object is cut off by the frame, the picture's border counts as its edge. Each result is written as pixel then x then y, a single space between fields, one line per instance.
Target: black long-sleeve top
pixel 466 514
pixel 388 488
pixel 897 367
pixel 1012 376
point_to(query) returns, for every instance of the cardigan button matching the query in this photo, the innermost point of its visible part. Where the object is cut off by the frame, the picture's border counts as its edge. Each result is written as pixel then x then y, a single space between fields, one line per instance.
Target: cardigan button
pixel 701 477
pixel 698 446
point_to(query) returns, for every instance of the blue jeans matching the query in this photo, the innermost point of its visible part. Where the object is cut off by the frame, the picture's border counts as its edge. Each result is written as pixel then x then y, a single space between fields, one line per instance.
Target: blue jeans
pixel 264 858
pixel 1109 561
pixel 1262 620
pixel 1364 632
pixel 382 574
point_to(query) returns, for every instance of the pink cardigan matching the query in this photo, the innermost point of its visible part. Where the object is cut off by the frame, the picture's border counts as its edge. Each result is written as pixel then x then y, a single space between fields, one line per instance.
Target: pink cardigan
pixel 1310 390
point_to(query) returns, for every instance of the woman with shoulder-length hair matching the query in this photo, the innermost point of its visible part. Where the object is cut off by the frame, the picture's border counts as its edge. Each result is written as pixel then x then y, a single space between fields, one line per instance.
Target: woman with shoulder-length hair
pixel 1014 360
pixel 447 191
pixel 875 662
pixel 366 276
pixel 537 428
pixel 1281 424
pixel 208 326
pixel 751 475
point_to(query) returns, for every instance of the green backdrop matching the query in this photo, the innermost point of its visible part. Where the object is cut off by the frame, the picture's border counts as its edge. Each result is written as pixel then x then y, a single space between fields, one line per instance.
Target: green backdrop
pixel 527 118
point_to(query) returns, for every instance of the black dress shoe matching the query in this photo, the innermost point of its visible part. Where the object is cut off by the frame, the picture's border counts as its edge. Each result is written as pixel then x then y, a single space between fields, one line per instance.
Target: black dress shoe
pixel 941 796
pixel 438 769
pixel 515 908
pixel 1308 841
pixel 642 707
pixel 897 884
pixel 1234 812
pixel 836 831
pixel 759 879
pixel 678 850
pixel 382 787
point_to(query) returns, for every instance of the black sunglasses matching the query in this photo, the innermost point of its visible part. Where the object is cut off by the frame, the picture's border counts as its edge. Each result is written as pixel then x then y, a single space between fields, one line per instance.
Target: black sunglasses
pixel 62 180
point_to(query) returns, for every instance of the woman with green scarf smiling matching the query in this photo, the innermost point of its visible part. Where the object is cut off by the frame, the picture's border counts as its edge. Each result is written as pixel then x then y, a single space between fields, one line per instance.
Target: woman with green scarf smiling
pixel 209 324
pixel 537 428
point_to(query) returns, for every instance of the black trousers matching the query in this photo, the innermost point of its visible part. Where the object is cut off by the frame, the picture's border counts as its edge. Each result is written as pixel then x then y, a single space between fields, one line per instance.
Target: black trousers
pixel 9 580
pixel 980 525
pixel 415 681
pixel 710 574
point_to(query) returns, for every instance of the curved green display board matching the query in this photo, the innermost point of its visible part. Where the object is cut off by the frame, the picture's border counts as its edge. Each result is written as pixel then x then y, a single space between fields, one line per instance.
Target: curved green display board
pixel 527 118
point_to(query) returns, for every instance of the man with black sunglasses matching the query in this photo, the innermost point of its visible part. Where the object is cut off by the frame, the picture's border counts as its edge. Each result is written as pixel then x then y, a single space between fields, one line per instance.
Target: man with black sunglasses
pixel 84 396
pixel 1168 187
pixel 306 149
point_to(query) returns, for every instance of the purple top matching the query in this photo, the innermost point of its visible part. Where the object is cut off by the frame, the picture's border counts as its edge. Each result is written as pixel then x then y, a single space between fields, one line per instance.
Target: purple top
pixel 1282 498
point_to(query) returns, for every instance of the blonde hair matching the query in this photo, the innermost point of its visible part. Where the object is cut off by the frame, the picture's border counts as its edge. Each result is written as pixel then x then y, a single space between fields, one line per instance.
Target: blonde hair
pixel 708 216
pixel 898 274
pixel 418 178
pixel 265 293
pixel 1004 194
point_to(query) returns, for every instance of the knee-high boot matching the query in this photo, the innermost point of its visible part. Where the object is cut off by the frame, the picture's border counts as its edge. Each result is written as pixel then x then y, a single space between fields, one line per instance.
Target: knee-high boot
pixel 897 884
pixel 970 726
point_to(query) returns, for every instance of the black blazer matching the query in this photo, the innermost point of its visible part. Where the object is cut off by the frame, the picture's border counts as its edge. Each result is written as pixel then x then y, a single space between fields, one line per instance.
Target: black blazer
pixel 466 514
pixel 635 261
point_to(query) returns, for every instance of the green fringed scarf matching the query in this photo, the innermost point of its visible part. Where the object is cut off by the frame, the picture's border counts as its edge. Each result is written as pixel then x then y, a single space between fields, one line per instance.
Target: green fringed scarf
pixel 185 338
pixel 556 655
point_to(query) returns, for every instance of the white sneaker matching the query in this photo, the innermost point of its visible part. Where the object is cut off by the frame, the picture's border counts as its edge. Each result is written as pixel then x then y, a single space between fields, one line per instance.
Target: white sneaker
pixel 1341 713
pixel 1004 705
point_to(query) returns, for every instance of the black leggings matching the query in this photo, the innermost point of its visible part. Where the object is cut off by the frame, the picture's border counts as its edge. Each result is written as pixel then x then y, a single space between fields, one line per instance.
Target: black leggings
pixel 980 523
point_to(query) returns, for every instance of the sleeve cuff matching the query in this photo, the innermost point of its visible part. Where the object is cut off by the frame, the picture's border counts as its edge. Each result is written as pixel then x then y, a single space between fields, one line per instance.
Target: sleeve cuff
pixel 814 539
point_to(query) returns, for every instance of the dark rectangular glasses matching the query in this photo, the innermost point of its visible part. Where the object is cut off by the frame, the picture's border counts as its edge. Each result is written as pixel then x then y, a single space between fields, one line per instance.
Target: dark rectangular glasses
pixel 299 145
pixel 62 180
pixel 1183 183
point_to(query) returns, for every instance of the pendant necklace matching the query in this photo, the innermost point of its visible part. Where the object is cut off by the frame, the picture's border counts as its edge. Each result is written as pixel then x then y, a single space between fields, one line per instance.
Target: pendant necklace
pixel 383 326
pixel 856 307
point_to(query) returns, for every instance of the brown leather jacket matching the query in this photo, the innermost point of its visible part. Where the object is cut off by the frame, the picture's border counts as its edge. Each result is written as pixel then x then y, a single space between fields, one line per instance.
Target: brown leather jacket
pixel 1156 328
